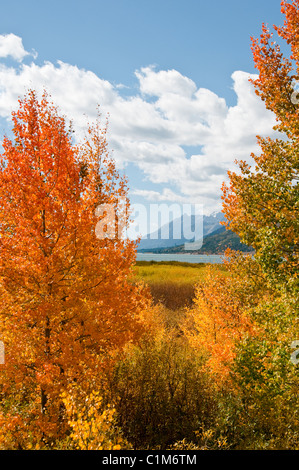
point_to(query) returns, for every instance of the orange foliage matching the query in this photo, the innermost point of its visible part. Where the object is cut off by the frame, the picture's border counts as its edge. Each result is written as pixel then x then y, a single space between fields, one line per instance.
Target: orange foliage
pixel 66 299
pixel 220 316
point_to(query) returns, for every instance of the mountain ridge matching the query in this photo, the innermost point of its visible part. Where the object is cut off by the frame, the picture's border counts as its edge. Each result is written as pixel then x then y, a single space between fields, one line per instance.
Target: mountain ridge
pixel 204 226
pixel 216 239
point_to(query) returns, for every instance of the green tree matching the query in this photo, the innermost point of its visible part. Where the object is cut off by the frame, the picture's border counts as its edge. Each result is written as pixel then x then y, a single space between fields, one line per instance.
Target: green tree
pixel 261 204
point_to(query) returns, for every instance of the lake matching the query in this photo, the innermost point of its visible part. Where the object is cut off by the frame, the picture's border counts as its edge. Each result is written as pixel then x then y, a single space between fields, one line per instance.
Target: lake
pixel 183 258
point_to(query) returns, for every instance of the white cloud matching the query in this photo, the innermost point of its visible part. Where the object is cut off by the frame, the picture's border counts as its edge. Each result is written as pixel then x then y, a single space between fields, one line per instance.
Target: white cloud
pixel 12 46
pixel 165 195
pixel 154 128
pixel 166 81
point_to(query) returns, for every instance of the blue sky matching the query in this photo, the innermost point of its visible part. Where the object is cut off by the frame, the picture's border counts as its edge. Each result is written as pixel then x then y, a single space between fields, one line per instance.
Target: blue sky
pixel 173 76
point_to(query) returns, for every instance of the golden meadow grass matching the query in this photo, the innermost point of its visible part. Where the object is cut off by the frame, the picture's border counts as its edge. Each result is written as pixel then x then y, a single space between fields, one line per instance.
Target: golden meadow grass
pixel 172 283
pixel 182 273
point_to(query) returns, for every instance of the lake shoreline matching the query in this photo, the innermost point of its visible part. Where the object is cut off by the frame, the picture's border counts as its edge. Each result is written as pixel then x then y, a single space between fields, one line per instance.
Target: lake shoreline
pixel 184 258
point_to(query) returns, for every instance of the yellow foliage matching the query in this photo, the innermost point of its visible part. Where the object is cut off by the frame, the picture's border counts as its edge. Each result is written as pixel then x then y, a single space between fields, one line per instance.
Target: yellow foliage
pixel 93 424
pixel 220 316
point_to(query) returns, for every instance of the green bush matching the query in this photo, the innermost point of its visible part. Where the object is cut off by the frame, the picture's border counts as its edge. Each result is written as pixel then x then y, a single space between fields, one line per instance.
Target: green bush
pixel 162 395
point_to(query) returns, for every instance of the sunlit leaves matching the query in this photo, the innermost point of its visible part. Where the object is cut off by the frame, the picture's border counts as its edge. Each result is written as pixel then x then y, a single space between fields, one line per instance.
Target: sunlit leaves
pixel 262 203
pixel 66 297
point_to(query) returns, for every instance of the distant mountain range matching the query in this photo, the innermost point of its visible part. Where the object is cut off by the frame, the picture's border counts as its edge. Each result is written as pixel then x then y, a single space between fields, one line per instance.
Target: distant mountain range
pixel 215 237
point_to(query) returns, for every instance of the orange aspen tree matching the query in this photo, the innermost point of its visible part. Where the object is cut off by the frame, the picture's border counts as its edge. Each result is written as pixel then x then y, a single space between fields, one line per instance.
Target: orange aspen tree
pixel 66 299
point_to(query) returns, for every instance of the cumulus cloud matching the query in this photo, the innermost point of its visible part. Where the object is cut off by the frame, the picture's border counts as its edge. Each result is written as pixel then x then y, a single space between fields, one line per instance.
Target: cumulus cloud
pixel 154 128
pixel 164 82
pixel 12 46
pixel 166 195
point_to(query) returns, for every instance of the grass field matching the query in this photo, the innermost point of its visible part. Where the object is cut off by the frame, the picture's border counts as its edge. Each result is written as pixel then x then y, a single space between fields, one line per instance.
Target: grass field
pixel 182 273
pixel 171 283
